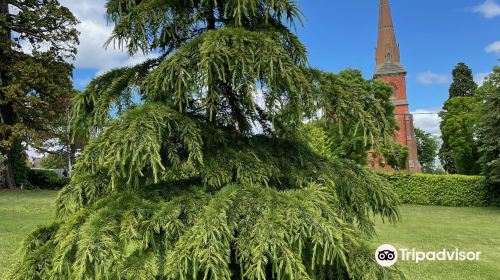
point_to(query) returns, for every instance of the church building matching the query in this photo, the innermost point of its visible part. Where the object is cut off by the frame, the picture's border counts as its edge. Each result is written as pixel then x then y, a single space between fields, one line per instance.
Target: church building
pixel 390 70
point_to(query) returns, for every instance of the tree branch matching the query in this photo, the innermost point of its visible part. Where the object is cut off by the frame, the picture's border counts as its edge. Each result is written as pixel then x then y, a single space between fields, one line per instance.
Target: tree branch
pixel 44 150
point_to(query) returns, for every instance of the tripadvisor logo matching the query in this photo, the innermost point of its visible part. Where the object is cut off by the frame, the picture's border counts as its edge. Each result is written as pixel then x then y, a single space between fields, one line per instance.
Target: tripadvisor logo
pixel 387 255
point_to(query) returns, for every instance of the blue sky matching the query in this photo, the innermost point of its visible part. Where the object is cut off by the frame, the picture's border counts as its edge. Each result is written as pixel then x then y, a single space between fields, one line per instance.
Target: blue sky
pixel 433 36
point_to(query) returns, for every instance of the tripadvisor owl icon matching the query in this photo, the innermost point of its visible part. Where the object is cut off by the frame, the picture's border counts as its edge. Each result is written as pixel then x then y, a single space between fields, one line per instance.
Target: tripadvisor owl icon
pixel 386 255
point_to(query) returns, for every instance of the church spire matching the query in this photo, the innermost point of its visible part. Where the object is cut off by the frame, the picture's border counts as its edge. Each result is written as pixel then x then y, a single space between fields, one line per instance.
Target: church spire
pixel 387 53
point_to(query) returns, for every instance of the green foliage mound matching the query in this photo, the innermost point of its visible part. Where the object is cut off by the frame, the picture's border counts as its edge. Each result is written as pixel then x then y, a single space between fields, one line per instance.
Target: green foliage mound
pixel 261 208
pixel 210 176
pixel 46 179
pixel 443 190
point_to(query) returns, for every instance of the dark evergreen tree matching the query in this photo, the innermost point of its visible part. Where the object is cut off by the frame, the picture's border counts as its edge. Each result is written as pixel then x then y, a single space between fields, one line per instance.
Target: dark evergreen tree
pixel 210 175
pixel 463 81
pixel 32 84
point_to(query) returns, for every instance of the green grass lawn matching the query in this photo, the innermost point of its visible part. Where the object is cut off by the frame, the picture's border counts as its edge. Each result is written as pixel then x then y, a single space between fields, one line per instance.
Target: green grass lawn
pixel 424 228
pixel 433 228
pixel 20 213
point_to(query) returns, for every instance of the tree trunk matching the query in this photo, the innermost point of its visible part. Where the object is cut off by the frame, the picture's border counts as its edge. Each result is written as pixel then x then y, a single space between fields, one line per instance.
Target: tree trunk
pixel 6 110
pixel 69 139
pixel 242 125
pixel 10 181
pixel 210 16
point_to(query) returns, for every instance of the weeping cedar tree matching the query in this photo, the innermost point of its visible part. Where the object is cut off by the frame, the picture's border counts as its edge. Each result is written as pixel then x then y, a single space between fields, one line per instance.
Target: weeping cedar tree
pixel 33 86
pixel 209 177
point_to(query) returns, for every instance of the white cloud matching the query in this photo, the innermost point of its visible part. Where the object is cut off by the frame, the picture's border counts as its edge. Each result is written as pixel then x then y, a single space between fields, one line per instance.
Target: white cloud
pixel 493 47
pixel 432 78
pixel 428 120
pixel 94 31
pixel 489 9
pixel 480 77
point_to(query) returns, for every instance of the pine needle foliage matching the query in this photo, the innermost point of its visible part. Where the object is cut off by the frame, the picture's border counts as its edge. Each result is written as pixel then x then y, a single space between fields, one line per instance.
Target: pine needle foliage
pixel 209 175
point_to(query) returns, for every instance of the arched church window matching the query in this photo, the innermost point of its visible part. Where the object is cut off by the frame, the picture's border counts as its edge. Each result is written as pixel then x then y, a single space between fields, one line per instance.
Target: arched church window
pixel 388 57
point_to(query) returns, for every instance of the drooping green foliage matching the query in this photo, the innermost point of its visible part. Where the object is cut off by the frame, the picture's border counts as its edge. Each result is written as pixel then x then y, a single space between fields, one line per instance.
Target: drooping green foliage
pixel 357 116
pixel 489 127
pixel 427 147
pixel 209 175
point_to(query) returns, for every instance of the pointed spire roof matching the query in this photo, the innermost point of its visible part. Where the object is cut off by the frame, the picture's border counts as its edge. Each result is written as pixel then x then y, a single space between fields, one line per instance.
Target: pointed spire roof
pixel 387 54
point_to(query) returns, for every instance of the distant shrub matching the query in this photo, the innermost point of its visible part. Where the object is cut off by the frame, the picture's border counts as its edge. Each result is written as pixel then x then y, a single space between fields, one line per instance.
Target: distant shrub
pixel 443 190
pixel 46 179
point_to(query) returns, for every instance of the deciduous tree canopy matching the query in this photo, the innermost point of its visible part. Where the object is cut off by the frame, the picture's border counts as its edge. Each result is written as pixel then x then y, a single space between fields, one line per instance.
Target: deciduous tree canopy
pixel 427 147
pixel 459 153
pixel 35 39
pixel 489 127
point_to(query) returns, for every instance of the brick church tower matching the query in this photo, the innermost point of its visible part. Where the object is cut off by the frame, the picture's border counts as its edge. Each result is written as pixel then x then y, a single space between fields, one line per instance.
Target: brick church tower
pixel 390 70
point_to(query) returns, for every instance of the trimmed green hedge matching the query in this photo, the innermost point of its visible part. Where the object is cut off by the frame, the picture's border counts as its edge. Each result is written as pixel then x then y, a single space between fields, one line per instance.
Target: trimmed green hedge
pixel 443 190
pixel 46 179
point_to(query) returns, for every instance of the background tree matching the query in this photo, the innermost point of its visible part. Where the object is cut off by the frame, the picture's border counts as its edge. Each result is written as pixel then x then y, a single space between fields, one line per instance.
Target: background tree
pixel 463 81
pixel 446 159
pixel 209 176
pixel 60 142
pixel 363 100
pixel 32 82
pixel 395 155
pixel 489 127
pixel 427 148
pixel 54 161
pixel 459 132
pixel 458 152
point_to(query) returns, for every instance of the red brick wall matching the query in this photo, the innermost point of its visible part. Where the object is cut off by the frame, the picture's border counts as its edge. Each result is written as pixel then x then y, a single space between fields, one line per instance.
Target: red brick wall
pixel 399 85
pixel 405 135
